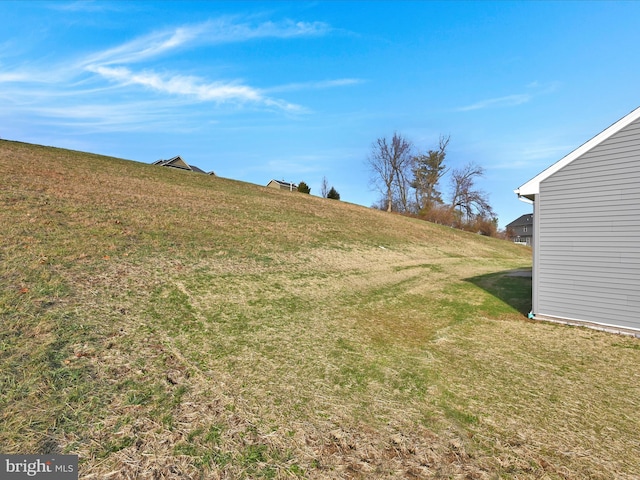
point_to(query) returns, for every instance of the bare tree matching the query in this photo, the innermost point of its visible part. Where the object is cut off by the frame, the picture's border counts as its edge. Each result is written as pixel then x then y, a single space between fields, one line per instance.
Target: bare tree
pixel 403 185
pixel 428 169
pixel 465 196
pixel 324 187
pixel 389 162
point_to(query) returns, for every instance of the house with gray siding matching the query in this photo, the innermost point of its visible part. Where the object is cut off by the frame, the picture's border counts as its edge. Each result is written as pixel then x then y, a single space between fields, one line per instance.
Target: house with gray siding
pixel 586 244
pixel 521 230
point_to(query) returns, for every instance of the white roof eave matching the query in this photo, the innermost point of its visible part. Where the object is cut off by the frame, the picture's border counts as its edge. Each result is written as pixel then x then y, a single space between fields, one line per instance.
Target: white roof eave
pixel 527 191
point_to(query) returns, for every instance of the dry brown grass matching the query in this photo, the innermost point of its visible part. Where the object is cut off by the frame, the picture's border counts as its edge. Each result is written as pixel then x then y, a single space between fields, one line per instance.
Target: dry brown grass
pixel 162 324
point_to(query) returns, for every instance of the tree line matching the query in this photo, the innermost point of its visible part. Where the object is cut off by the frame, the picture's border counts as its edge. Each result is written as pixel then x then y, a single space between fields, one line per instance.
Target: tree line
pixel 409 182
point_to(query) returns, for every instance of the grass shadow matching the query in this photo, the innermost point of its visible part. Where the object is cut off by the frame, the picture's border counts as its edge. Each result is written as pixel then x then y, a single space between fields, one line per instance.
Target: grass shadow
pixel 512 287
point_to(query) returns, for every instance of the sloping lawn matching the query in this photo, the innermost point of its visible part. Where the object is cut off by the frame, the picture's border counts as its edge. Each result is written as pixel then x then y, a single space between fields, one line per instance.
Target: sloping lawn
pixel 162 324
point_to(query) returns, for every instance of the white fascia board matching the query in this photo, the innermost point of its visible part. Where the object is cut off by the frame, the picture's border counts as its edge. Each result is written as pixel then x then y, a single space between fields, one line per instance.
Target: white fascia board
pixel 524 198
pixel 527 191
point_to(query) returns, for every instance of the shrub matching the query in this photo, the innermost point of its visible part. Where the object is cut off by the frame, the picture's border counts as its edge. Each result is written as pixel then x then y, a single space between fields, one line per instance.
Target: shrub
pixel 304 188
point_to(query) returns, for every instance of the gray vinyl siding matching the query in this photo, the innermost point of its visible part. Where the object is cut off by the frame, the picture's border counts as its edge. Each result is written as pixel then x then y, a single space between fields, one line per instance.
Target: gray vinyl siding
pixel 588 227
pixel 536 256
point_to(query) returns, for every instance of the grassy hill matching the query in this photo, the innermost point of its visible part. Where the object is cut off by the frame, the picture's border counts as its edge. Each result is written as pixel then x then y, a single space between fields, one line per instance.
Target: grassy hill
pixel 164 324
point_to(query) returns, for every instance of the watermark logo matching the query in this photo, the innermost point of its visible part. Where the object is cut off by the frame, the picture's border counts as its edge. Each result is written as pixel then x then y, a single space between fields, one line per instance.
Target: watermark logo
pixel 49 467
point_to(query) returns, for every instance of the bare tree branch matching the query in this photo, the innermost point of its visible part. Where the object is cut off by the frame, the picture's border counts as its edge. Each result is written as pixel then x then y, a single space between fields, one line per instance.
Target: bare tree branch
pixel 324 187
pixel 465 196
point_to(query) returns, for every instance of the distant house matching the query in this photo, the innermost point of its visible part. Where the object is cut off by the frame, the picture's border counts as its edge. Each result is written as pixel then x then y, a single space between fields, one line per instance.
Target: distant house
pixel 282 185
pixel 521 230
pixel 586 244
pixel 178 162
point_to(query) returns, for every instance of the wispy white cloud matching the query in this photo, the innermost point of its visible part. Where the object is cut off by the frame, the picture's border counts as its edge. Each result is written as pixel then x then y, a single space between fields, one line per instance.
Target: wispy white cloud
pixel 10 77
pixel 542 88
pixel 521 155
pixel 535 89
pixel 507 101
pixel 82 6
pixel 545 152
pixel 97 92
pixel 110 63
pixel 340 82
pixel 96 116
pixel 285 29
pixel 146 47
pixel 191 86
pixel 220 31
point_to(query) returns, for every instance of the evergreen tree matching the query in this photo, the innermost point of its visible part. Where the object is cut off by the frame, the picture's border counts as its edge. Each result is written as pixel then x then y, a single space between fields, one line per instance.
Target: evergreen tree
pixel 304 188
pixel 427 171
pixel 333 194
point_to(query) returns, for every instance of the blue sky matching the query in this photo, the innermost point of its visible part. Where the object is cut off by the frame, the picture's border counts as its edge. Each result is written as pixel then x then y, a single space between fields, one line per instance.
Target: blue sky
pixel 300 90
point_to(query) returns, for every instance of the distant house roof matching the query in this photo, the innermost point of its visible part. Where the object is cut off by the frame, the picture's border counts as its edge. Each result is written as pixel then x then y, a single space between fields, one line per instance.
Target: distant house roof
pixel 528 191
pixel 281 184
pixel 526 219
pixel 178 162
